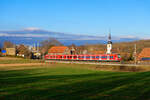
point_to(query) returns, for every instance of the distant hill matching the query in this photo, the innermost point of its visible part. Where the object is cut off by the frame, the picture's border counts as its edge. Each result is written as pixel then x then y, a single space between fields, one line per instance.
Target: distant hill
pixel 29 37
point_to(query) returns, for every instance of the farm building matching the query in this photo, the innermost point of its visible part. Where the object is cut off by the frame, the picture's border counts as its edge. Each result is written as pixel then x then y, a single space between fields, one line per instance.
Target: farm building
pixel 59 50
pixel 144 55
pixel 11 51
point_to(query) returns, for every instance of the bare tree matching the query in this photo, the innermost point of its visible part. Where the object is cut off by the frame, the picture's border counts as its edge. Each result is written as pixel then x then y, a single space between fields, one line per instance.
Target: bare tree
pixel 73 49
pixel 45 45
pixel 22 49
pixel 8 44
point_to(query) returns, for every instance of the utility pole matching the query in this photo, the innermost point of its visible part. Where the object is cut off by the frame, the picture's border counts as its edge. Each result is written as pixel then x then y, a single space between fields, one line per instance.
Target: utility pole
pixel 135 54
pixel 38 47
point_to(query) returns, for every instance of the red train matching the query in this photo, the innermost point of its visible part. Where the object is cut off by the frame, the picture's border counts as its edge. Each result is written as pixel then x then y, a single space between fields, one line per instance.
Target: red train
pixel 100 57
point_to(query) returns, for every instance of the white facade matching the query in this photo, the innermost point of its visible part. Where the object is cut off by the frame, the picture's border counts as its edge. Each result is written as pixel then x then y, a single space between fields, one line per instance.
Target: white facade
pixel 109 45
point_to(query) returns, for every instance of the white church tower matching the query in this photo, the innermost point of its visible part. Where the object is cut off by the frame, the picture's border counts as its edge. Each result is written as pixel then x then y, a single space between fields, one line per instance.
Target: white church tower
pixel 109 44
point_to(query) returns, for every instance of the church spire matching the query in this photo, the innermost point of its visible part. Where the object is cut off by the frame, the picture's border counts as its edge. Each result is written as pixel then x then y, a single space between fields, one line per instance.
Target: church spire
pixel 109 37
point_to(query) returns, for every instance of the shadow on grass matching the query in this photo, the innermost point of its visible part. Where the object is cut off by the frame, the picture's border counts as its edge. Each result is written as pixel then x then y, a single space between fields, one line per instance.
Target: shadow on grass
pixel 20 85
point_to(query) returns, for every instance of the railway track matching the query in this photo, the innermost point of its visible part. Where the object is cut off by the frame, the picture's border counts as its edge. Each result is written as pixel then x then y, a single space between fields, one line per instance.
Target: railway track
pixel 93 62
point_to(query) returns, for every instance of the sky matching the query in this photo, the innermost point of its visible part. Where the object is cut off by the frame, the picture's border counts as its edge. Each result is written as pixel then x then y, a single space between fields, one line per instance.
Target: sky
pixel 92 17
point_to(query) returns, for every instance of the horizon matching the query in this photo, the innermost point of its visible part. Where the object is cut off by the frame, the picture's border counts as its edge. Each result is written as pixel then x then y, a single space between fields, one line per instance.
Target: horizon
pixel 3 33
pixel 84 17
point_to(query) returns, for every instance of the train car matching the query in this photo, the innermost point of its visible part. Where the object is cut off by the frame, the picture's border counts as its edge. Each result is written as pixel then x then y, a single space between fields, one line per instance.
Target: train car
pixel 102 57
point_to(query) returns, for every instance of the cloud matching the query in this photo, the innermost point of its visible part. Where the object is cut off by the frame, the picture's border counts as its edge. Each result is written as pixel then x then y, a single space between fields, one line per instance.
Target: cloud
pixel 128 36
pixel 32 28
pixel 135 37
pixel 46 35
pixel 22 35
pixel 81 38
pixel 145 38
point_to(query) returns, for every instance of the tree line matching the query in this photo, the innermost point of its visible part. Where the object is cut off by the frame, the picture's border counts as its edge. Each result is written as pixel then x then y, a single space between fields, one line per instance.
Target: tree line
pixel 125 49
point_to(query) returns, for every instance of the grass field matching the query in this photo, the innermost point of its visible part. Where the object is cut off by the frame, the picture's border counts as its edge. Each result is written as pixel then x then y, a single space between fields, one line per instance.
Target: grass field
pixel 12 60
pixel 72 82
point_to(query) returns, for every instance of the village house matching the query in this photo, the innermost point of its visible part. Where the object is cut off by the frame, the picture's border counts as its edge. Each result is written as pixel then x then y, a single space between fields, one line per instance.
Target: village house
pixel 144 55
pixel 11 51
pixel 59 50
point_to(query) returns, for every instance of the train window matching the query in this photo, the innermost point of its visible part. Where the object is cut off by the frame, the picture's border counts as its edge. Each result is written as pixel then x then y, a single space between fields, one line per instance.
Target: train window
pixel 75 56
pixel 82 56
pixel 104 56
pixel 87 56
pixel 111 57
pixel 93 56
pixel 97 56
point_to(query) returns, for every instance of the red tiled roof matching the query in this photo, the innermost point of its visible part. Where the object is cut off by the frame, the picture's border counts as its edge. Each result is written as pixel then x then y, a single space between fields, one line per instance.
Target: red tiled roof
pixel 144 53
pixel 57 49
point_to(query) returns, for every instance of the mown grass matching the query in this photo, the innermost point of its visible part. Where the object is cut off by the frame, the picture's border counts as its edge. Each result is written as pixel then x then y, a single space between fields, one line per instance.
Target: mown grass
pixel 18 60
pixel 72 82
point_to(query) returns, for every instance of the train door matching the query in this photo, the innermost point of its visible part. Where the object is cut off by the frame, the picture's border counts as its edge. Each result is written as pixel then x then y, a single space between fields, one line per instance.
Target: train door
pixel 84 57
pixel 77 57
pixel 100 58
pixel 108 57
pixel 90 57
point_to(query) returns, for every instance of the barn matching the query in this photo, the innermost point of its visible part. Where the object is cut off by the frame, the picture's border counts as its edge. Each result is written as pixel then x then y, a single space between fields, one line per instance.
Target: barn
pixel 59 50
pixel 144 55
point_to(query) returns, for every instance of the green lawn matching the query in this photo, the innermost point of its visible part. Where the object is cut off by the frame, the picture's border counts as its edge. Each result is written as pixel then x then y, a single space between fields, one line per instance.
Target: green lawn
pixel 72 82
